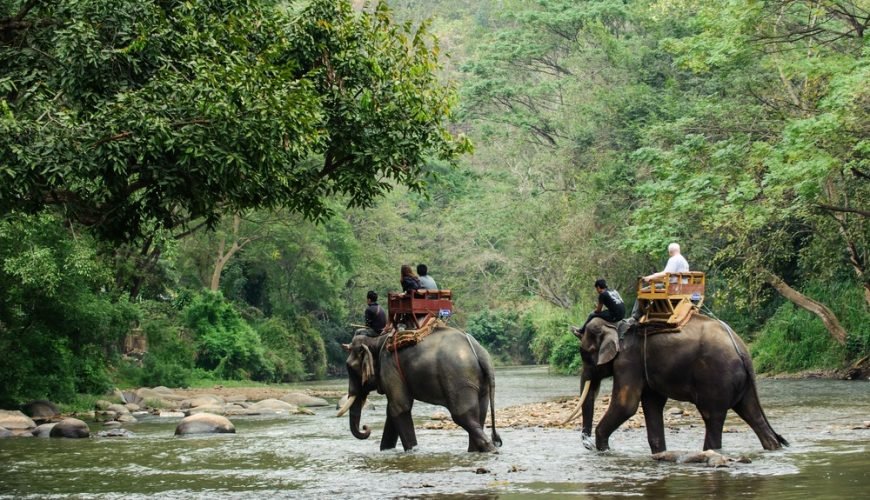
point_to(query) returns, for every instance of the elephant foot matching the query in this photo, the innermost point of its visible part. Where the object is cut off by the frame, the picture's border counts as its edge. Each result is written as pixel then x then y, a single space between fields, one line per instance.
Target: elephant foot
pixel 487 448
pixel 588 442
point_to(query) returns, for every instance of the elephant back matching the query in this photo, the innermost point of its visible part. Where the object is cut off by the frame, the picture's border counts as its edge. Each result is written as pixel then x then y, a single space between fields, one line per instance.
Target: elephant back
pixel 406 338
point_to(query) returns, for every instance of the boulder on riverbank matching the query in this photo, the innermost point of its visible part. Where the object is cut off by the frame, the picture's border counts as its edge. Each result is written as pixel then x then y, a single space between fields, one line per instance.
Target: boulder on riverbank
pixel 302 399
pixel 70 428
pixel 41 410
pixel 13 420
pixel 204 423
pixel 273 406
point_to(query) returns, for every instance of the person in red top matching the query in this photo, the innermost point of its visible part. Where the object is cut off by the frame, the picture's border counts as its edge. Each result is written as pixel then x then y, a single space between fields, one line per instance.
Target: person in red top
pixel 410 281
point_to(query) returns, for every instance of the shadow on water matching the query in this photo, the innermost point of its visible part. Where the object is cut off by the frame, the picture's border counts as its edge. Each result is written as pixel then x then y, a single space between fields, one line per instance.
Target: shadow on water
pixel 315 456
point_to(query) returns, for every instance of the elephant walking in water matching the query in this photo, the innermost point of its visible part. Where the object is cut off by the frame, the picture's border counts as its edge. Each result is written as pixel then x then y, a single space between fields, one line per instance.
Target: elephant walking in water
pixel 447 368
pixel 705 363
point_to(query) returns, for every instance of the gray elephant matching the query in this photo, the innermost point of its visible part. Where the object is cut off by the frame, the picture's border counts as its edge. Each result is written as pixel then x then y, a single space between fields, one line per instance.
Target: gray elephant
pixel 447 368
pixel 705 364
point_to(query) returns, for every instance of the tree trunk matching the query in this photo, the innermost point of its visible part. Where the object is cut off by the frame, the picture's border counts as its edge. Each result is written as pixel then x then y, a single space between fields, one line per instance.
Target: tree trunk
pixel 224 254
pixel 826 315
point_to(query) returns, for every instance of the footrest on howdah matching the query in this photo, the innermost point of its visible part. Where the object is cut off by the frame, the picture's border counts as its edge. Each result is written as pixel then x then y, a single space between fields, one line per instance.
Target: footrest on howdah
pixel 405 338
pixel 652 328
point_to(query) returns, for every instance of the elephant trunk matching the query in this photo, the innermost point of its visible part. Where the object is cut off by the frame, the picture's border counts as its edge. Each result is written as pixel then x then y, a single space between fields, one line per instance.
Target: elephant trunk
pixel 355 412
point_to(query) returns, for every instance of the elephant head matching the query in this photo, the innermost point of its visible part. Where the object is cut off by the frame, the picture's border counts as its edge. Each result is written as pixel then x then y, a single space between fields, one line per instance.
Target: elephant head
pixel 600 343
pixel 362 371
pixel 598 348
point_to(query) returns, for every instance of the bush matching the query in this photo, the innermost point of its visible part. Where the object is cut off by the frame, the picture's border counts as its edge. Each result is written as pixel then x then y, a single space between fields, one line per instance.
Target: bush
pixel 794 339
pixel 565 356
pixel 504 333
pixel 553 343
pixel 58 326
pixel 225 343
pixel 282 350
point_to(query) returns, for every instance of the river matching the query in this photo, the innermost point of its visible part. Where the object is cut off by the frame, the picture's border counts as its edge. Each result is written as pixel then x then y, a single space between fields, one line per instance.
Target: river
pixel 316 456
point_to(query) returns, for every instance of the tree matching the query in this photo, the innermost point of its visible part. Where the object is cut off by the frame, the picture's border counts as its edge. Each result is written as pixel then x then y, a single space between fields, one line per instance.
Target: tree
pixel 134 116
pixel 759 170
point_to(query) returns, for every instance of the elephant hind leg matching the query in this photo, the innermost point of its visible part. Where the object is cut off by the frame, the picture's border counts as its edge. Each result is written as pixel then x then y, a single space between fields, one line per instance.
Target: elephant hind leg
pixel 477 440
pixel 713 422
pixel 749 409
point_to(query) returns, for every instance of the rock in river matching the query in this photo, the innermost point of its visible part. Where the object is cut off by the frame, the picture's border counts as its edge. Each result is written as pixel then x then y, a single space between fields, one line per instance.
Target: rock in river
pixel 204 423
pixel 43 430
pixel 302 399
pixel 70 428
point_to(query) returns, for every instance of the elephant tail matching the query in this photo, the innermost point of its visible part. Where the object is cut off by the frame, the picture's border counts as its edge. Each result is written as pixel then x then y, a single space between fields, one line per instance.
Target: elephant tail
pixel 496 439
pixel 750 407
pixel 770 439
pixel 489 372
pixel 486 367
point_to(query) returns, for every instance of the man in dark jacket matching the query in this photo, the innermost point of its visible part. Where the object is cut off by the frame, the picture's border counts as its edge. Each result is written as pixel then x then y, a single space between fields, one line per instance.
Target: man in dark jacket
pixel 610 307
pixel 375 317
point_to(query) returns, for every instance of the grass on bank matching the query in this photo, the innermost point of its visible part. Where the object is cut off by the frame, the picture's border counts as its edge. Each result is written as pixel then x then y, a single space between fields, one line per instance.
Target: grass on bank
pixel 793 339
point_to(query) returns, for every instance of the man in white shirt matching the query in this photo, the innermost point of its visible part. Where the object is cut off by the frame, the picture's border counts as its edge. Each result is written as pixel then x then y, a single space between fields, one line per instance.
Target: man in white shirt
pixel 676 264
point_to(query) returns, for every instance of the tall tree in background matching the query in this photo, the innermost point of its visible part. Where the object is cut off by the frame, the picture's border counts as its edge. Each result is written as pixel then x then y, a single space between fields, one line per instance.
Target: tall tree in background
pixel 764 165
pixel 133 116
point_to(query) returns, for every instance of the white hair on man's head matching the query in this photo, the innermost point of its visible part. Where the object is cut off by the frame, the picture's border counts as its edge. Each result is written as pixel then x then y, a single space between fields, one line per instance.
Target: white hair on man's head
pixel 674 248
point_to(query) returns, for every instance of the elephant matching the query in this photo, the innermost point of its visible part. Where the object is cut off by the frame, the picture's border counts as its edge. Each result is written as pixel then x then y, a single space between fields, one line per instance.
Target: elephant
pixel 447 368
pixel 705 363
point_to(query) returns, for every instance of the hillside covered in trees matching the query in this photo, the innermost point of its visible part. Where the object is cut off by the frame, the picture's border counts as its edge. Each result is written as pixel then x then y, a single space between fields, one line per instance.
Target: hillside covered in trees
pixel 227 179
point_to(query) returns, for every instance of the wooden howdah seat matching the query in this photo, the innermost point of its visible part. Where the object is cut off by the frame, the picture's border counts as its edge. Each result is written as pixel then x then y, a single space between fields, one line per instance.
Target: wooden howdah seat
pixel 670 301
pixel 418 308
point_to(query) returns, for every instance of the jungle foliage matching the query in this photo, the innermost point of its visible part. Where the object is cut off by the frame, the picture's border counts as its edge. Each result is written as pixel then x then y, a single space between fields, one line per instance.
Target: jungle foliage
pixel 230 177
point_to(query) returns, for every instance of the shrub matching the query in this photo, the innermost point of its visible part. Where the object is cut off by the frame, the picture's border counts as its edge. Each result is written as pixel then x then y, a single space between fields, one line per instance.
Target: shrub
pixel 504 333
pixel 58 327
pixel 794 339
pixel 553 343
pixel 225 343
pixel 282 350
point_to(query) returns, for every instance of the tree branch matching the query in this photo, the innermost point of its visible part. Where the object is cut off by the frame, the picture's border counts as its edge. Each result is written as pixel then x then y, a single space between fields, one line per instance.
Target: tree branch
pixel 862 213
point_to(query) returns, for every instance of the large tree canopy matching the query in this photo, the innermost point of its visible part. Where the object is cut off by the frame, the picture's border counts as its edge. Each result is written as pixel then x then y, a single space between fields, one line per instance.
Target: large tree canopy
pixel 141 114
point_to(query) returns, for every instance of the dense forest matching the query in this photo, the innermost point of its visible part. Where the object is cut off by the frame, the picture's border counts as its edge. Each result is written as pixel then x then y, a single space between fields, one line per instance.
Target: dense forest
pixel 226 179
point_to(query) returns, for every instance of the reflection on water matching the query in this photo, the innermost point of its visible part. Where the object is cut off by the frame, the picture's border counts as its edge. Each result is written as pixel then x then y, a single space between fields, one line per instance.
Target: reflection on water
pixel 315 456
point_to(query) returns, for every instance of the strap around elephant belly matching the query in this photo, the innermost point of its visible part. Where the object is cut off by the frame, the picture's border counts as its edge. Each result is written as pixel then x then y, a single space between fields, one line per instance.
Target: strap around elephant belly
pixel 396 355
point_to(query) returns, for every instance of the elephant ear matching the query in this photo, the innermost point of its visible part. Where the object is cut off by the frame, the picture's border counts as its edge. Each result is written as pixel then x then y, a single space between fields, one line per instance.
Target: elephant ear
pixel 609 346
pixel 368 365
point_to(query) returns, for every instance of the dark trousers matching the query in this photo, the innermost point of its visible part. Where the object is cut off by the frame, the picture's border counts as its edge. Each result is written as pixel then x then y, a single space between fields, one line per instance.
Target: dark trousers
pixel 605 315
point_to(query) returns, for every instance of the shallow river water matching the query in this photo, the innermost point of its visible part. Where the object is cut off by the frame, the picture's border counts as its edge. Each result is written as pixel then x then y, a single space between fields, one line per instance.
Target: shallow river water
pixel 316 456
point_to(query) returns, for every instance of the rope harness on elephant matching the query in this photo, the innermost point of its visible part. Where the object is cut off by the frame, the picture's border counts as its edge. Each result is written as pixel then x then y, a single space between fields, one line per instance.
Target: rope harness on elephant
pixel 396 355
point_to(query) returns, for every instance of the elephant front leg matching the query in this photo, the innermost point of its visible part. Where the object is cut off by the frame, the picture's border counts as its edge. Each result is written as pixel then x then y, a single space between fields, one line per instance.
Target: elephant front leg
pixel 404 425
pixel 653 413
pixel 391 435
pixel 623 404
